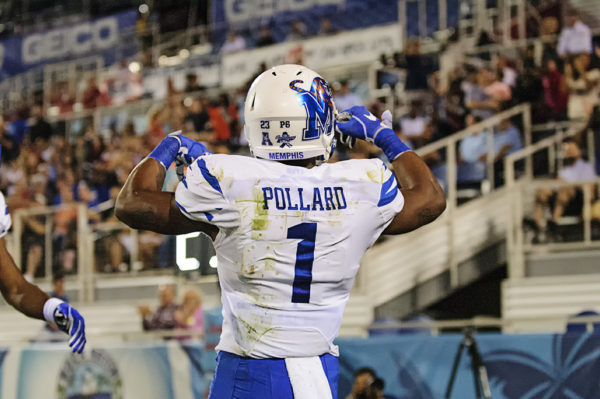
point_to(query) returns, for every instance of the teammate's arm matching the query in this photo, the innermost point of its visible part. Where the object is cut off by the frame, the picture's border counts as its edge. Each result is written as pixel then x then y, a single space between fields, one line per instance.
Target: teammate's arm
pixel 424 199
pixel 20 294
pixel 143 205
pixel 30 300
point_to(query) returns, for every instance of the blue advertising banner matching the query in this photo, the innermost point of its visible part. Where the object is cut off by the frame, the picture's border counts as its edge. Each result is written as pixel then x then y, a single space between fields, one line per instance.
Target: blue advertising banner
pixel 100 36
pixel 518 366
pixel 412 366
pixel 246 15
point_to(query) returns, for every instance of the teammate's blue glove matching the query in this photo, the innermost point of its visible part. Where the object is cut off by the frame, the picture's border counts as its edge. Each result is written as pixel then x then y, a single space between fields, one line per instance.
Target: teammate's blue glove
pixel 67 319
pixel 359 123
pixel 179 149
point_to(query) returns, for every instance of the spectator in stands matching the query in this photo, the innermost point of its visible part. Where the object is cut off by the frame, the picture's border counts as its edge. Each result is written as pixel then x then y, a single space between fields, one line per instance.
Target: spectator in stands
pixel 575 38
pixel 497 90
pixel 64 237
pixel 377 388
pixel 327 27
pixel 472 154
pixel 556 94
pixel 39 129
pixel 297 31
pixel 191 84
pixel 197 117
pixel 156 132
pixel 344 98
pixel 418 66
pixel 416 127
pixel 63 98
pixel 507 71
pixel 234 43
pixel 387 73
pixel 595 60
pixel 363 378
pixel 164 316
pixel 477 100
pixel 575 170
pixel 583 83
pixel 218 116
pixel 530 89
pixel 191 315
pixel 265 38
pixel 91 95
pixel 10 144
pixel 507 139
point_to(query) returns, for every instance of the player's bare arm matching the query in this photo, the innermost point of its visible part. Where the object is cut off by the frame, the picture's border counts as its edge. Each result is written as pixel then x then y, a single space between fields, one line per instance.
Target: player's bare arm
pixel 28 299
pixel 424 199
pixel 143 205
pixel 18 292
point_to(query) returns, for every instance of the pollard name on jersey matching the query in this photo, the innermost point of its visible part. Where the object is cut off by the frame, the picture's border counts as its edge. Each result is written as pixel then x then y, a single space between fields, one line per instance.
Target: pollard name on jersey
pixel 289 245
pixel 299 198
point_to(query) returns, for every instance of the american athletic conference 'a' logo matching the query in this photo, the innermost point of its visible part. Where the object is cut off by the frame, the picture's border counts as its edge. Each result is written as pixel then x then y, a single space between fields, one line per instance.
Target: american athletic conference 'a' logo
pixel 319 108
pixel 94 374
pixel 284 139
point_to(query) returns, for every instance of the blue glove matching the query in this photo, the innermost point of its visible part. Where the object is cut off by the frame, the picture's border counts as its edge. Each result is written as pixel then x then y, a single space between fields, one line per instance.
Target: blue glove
pixel 178 148
pixel 67 319
pixel 359 123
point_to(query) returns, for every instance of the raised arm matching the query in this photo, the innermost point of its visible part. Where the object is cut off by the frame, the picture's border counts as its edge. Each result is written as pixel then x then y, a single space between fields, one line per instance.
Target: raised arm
pixel 143 205
pixel 424 199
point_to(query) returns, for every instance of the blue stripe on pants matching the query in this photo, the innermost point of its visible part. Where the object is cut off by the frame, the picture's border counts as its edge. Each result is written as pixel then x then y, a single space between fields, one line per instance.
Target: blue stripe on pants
pixel 239 377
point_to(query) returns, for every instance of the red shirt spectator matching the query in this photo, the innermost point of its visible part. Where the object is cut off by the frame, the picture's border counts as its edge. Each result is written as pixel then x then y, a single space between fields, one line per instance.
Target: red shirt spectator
pixel 555 93
pixel 220 125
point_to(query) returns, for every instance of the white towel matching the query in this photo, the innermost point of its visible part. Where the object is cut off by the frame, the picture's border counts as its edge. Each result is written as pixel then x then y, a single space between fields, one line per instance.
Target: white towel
pixel 308 378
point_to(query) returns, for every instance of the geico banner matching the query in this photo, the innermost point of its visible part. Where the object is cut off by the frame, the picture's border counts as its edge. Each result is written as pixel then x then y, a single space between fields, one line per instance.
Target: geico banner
pixel 347 48
pixel 101 36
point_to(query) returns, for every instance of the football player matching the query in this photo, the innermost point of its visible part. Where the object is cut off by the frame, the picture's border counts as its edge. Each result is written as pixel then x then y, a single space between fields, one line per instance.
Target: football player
pixel 29 299
pixel 289 229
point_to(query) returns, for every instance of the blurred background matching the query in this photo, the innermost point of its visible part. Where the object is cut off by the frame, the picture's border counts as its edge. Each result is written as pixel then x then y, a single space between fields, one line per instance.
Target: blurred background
pixel 500 97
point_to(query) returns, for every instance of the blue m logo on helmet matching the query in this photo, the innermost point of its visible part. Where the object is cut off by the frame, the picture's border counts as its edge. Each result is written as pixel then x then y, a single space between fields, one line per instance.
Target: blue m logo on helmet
pixel 319 108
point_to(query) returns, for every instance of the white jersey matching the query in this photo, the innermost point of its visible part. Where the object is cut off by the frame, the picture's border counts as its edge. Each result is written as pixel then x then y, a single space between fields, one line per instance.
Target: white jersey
pixel 5 220
pixel 289 245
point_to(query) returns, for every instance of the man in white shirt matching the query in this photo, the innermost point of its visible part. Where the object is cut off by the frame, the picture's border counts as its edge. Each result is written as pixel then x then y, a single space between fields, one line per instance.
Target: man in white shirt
pixel 575 170
pixel 575 38
pixel 344 98
pixel 233 44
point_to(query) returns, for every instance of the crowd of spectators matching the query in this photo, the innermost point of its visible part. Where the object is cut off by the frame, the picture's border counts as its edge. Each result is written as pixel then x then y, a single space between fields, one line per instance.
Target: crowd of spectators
pixel 44 165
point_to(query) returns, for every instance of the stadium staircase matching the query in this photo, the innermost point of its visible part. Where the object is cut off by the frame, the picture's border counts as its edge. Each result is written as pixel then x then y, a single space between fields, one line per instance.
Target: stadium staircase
pixel 541 304
pixel 408 272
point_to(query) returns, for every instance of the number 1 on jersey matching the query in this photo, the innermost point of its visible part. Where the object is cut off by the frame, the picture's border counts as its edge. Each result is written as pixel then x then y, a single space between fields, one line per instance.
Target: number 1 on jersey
pixel 305 255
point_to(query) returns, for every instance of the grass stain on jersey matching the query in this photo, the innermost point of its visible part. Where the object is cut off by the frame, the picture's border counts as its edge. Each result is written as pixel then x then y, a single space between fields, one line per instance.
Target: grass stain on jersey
pixel 251 333
pixel 376 176
pixel 261 215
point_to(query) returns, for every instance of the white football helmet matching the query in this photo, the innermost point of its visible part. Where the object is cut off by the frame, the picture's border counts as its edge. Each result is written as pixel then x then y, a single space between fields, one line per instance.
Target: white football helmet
pixel 289 114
